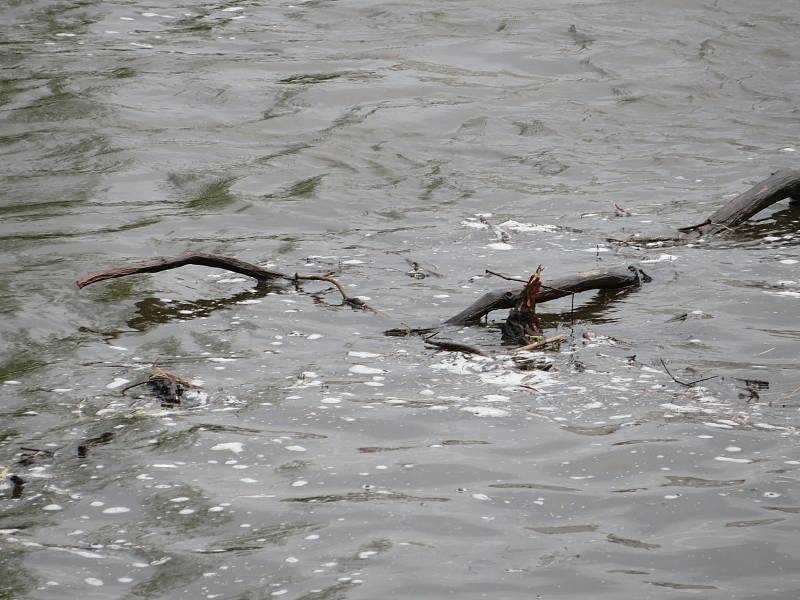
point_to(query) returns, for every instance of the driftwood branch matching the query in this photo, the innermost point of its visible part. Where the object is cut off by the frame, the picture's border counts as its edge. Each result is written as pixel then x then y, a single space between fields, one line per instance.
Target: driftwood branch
pixel 218 262
pixel 453 346
pixel 550 290
pixel 354 302
pixel 542 343
pixel 778 186
pixel 190 258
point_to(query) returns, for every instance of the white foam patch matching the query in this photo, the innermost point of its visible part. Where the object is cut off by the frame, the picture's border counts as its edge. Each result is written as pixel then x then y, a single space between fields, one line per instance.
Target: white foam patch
pixel 474 224
pixel 718 425
pixel 365 370
pixel 117 383
pixel 116 510
pixel 363 354
pixel 235 447
pixel 496 398
pixel 485 411
pixel 680 409
pixel 662 258
pixel 528 227
pixel 499 246
pixel 295 448
pixel 733 460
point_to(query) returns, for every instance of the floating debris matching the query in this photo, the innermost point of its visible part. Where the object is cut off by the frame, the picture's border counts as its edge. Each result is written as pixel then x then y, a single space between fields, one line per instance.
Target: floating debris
pixel 31 456
pixel 168 388
pixel 364 497
pixel 86 446
pixel 12 481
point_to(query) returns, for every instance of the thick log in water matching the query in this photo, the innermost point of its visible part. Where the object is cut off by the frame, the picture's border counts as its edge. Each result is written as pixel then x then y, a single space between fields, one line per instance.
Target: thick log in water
pixel 190 258
pixel 611 279
pixel 780 185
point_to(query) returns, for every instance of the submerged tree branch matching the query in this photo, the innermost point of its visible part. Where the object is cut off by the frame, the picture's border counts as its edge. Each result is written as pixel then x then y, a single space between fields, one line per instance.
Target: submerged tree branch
pixel 611 279
pixel 354 302
pixel 218 262
pixel 190 258
pixel 778 186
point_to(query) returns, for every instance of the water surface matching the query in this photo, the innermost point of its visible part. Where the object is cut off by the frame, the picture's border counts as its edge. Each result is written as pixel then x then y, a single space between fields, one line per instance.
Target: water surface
pixel 330 460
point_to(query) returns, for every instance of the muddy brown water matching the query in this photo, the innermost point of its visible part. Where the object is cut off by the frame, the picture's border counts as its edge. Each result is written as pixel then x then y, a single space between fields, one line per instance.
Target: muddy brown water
pixel 331 461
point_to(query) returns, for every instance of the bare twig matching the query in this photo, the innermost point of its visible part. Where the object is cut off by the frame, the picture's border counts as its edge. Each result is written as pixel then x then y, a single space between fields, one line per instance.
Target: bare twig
pixel 542 343
pixel 354 302
pixel 621 211
pixel 693 227
pixel 453 346
pixel 685 383
pixel 506 277
pixel 634 241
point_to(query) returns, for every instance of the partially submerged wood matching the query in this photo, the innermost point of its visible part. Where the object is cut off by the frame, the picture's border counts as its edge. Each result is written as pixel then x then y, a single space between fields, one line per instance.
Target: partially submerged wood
pixel 778 186
pixel 556 339
pixel 167 387
pixel 218 262
pixel 86 446
pixel 453 346
pixel 190 258
pixel 350 300
pixel 611 279
pixel 521 325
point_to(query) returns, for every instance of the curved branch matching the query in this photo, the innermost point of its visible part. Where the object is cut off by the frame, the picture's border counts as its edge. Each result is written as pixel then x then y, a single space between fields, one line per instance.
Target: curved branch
pixel 354 302
pixel 189 258
pixel 776 187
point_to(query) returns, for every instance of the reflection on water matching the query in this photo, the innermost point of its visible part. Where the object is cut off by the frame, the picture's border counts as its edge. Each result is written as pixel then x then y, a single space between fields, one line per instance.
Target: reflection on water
pixel 409 147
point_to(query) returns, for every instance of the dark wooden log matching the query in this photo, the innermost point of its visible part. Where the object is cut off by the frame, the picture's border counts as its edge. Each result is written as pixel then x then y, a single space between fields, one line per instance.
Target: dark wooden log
pixel 780 185
pixel 190 258
pixel 611 279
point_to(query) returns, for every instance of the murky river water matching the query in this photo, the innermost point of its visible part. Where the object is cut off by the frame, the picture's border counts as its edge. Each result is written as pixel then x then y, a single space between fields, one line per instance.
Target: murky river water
pixel 330 460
